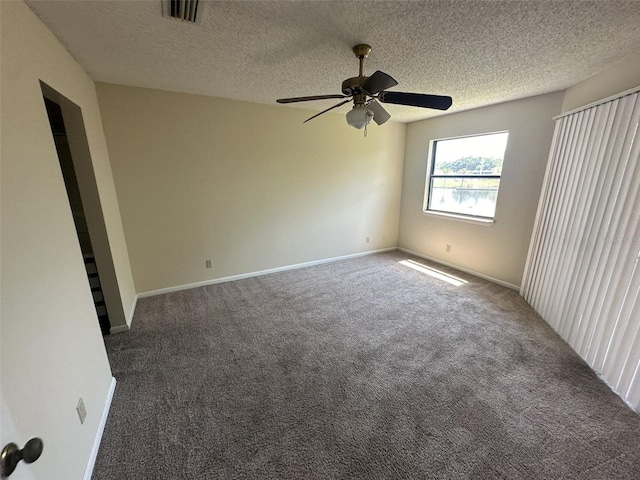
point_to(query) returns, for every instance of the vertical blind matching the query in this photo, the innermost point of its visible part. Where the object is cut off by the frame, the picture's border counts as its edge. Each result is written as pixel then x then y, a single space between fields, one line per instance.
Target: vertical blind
pixel 583 273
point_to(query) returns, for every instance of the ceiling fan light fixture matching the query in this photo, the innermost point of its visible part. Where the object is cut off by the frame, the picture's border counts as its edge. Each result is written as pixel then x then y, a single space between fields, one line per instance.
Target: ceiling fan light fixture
pixel 359 116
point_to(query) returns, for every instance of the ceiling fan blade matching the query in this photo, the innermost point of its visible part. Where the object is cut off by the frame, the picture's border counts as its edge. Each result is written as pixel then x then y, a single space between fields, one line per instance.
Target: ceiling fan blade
pixel 380 115
pixel 439 102
pixel 330 108
pixel 378 82
pixel 306 99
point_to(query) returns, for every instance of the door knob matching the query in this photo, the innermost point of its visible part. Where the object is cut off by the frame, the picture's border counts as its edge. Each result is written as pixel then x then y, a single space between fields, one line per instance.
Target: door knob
pixel 11 455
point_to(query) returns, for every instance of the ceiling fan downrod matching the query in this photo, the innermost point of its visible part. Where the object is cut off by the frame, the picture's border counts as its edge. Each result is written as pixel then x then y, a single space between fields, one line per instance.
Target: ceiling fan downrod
pixel 353 86
pixel 362 51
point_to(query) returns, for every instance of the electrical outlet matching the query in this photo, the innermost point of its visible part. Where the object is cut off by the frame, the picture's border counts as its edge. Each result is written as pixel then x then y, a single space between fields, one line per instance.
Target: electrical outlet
pixel 208 264
pixel 82 410
pixel 448 248
pixel 367 239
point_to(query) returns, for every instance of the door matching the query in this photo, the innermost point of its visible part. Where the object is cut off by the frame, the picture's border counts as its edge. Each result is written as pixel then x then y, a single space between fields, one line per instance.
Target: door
pixel 51 349
pixel 9 434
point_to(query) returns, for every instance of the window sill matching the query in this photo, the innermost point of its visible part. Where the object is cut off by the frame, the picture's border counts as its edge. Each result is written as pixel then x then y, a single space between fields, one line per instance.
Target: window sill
pixel 485 222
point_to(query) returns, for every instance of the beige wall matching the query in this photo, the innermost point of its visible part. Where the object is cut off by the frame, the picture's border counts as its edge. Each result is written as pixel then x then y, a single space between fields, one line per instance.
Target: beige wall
pixel 619 78
pixel 245 185
pixel 52 352
pixel 498 251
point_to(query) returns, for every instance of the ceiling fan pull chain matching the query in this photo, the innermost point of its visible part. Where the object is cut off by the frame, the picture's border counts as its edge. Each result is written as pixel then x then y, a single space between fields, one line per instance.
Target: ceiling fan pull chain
pixel 365 130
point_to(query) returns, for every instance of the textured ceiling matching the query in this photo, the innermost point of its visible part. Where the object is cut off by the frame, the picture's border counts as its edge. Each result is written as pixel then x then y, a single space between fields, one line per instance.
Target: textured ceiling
pixel 478 52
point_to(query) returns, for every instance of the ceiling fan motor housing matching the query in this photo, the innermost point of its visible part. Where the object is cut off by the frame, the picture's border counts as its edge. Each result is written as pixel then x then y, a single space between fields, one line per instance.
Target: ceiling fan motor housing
pixel 352 85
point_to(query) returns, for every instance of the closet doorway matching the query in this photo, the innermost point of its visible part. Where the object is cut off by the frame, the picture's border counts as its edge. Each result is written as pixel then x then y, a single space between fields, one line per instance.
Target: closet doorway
pixel 67 127
pixel 59 132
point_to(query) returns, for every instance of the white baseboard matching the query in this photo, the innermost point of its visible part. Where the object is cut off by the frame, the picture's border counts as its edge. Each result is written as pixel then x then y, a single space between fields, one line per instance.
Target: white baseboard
pixel 126 327
pixel 466 270
pixel 119 329
pixel 103 421
pixel 132 311
pixel 258 273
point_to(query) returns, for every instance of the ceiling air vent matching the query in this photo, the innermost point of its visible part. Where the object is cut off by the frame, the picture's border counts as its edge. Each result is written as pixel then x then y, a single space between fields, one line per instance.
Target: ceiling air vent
pixel 187 10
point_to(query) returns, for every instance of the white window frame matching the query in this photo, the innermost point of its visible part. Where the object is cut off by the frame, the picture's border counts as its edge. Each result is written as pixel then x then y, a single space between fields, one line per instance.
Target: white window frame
pixel 426 208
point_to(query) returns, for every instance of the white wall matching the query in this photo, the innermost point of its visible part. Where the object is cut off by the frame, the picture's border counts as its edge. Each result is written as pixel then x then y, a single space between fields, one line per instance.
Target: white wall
pixel 245 185
pixel 52 352
pixel 498 251
pixel 619 78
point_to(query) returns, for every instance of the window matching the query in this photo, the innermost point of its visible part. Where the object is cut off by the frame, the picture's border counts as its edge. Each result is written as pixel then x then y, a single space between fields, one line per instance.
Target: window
pixel 464 175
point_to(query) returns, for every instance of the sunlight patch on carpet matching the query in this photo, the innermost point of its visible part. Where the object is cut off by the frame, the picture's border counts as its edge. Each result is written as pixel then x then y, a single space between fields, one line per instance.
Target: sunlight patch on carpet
pixel 433 272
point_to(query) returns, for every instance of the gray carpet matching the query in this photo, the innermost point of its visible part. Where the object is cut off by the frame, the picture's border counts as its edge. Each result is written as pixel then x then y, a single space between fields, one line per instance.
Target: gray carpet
pixel 362 369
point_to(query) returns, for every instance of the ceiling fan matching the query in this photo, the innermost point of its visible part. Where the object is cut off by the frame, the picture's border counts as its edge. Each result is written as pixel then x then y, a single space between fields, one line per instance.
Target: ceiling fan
pixel 366 92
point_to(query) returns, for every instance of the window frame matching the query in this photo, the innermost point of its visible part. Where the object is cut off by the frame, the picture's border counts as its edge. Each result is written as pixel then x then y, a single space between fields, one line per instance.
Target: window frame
pixel 427 208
